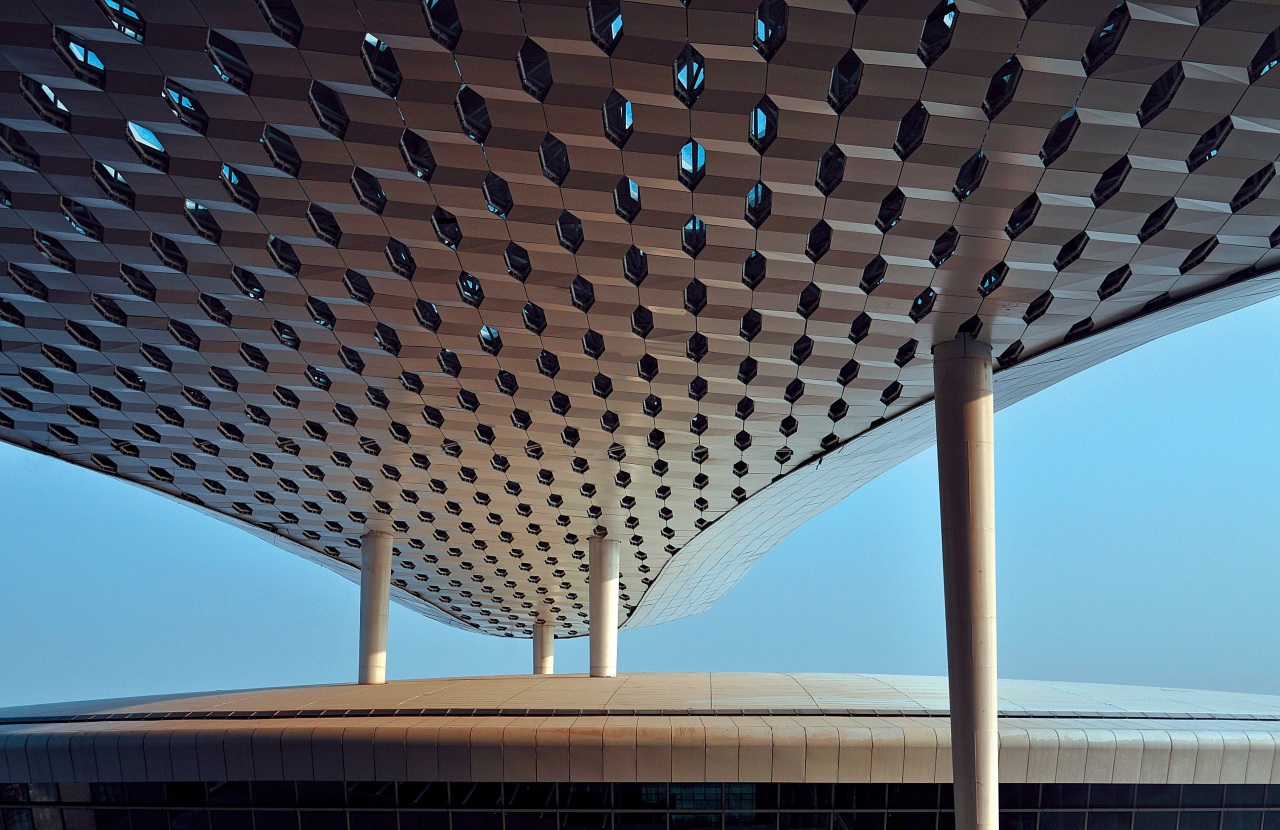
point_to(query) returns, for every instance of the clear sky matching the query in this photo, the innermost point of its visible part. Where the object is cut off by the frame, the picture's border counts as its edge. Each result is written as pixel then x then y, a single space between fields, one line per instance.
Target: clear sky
pixel 1137 510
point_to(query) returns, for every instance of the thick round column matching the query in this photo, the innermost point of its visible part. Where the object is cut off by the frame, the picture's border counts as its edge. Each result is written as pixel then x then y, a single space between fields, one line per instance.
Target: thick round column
pixel 603 562
pixel 544 648
pixel 966 481
pixel 375 601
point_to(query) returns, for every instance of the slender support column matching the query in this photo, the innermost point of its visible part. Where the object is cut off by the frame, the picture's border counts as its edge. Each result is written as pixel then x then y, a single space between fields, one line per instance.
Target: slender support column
pixel 544 648
pixel 966 479
pixel 375 601
pixel 604 555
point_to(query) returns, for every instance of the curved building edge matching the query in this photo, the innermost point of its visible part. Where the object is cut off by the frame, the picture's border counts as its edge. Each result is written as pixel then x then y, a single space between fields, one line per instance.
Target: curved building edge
pixel 717 558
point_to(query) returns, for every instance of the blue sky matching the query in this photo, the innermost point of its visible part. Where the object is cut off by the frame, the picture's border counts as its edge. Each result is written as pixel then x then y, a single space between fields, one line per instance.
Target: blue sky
pixel 1137 543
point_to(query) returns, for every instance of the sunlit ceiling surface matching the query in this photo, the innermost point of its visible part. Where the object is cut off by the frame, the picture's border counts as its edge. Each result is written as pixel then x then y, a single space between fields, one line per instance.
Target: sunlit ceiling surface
pixel 497 276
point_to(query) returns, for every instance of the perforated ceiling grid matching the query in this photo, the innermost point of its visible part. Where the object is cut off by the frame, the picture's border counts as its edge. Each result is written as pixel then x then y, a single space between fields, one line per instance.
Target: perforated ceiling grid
pixel 497 276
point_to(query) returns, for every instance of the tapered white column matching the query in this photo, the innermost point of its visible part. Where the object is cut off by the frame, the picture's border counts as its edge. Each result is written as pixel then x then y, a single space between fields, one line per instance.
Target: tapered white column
pixel 604 556
pixel 544 648
pixel 375 601
pixel 966 481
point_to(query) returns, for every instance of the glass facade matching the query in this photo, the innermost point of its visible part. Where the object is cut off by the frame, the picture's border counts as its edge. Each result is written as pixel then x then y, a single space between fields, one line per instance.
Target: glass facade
pixel 308 805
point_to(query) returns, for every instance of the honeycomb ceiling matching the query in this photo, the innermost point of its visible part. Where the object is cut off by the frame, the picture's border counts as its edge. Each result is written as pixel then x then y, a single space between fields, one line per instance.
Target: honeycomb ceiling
pixel 496 276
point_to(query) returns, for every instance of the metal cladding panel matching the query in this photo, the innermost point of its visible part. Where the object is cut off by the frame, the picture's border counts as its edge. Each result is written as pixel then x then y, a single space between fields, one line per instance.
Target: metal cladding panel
pixel 498 276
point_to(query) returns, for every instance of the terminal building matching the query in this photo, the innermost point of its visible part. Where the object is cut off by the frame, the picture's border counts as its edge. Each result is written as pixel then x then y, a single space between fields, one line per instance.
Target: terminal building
pixel 549 318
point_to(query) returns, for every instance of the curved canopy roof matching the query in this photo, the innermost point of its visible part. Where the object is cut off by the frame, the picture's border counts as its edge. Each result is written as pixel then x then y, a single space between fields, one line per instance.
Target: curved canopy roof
pixel 497 276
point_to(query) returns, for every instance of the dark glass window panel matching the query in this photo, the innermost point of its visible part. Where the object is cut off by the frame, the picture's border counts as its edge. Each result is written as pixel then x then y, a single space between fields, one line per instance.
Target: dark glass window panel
pixel 1111 796
pixel 529 821
pixel 183 104
pixel 1106 39
pixel 846 77
pixel 1019 796
pixel 604 17
pixel 911 130
pixel 805 821
pixel 640 796
pixel 477 821
pixel 473 114
pixel 696 796
pixel 1106 820
pixel 1210 144
pixel 1252 188
pixel 970 176
pixel 763 128
pixel 553 156
pixel 283 20
pixel 45 103
pixel 183 793
pixel 1003 86
pixel 857 821
pixel 1199 819
pixel 1017 821
pixel 280 793
pixel 321 793
pixel 1160 96
pixel 230 792
pixel 109 819
pixel 1060 137
pixel 199 820
pixel 1155 820
pixel 1050 820
pixel 274 820
pixel 580 796
pixel 328 109
pixel 281 150
pixel 18 148
pixel 1202 795
pixel 228 61
pixel 1063 796
pixel 1158 795
pixel 1266 58
pixel 125 18
pixel 909 821
pixel 423 820
pixel 1242 820
pixel 371 820
pixel 1271 821
pixel 579 821
pixel 750 821
pixel 531 796
pixel 534 68
pixel 381 66
pixel 860 796
pixel 148 819
pixel 938 30
pixel 370 793
pixel 804 796
pixel 326 820
pixel 771 28
pixel 1245 795
pixel 695 821
pixel 229 820
pixel 443 22
pixel 913 796
pixel 141 793
pixel 625 821
pixel 751 796
pixel 476 796
pixel 688 75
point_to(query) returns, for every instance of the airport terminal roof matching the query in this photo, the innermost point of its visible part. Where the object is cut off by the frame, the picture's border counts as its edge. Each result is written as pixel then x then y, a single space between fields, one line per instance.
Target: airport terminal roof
pixel 498 276
pixel 658 727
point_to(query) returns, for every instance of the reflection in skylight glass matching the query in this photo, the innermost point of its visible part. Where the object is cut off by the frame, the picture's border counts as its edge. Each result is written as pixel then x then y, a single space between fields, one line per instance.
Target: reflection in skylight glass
pixel 145 137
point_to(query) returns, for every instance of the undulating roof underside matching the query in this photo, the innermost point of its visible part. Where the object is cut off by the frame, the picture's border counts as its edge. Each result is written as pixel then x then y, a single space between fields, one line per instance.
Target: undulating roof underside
pixel 500 275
